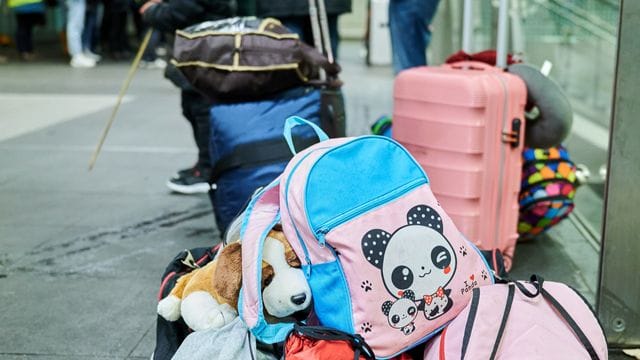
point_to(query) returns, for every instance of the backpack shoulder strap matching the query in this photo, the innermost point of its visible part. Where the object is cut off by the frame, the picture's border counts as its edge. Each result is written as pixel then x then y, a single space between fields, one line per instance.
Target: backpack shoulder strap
pixel 262 214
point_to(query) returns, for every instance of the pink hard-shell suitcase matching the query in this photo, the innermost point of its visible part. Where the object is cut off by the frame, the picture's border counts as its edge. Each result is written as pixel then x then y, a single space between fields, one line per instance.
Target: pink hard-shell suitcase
pixel 464 123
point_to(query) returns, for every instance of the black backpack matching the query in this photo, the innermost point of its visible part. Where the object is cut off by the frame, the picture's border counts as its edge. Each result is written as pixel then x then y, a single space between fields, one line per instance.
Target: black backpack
pixel 170 334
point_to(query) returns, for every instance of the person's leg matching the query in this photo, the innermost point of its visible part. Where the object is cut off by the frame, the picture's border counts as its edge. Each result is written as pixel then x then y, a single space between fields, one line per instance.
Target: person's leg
pixel 113 28
pixel 76 11
pixel 89 30
pixel 149 54
pixel 195 109
pixel 23 28
pixel 75 23
pixel 24 33
pixel 409 22
pixel 121 34
pixel 138 23
pixel 32 20
pixel 106 28
pixel 334 35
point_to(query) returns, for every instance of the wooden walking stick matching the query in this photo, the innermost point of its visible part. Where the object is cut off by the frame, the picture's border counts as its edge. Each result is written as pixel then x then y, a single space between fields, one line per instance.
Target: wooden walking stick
pixel 123 90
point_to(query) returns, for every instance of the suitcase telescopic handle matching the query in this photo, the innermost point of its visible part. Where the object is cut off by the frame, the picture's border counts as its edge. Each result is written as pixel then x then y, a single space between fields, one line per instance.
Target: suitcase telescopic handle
pixel 467 18
pixel 320 31
pixel 467 33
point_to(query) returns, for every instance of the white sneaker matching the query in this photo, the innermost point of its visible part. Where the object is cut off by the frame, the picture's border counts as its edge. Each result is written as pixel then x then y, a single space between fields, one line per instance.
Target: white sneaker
pixel 92 55
pixel 82 61
pixel 155 64
pixel 582 174
pixel 161 51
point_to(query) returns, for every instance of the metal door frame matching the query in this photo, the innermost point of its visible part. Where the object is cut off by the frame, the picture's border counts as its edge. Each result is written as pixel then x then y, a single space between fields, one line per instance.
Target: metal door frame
pixel 618 297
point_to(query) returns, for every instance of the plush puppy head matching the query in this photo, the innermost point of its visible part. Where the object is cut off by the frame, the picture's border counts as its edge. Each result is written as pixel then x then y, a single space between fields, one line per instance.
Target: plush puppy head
pixel 286 295
pixel 285 291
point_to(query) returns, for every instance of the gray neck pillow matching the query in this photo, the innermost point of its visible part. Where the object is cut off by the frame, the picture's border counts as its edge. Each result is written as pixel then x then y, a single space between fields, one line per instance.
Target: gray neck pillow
pixel 552 123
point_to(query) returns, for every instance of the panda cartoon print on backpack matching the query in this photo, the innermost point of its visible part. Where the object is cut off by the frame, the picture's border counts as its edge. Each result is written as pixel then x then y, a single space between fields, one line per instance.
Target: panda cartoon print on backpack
pixel 402 312
pixel 416 258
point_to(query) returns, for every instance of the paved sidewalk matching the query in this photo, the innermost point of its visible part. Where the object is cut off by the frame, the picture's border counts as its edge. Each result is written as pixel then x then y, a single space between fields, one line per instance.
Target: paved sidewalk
pixel 81 252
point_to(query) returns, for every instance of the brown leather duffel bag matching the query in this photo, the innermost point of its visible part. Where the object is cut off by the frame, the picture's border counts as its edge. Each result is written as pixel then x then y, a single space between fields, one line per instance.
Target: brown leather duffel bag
pixel 246 58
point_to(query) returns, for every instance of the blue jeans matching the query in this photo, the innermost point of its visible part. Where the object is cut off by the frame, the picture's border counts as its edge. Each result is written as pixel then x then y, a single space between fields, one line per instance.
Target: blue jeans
pixel 150 52
pixel 90 32
pixel 75 24
pixel 409 22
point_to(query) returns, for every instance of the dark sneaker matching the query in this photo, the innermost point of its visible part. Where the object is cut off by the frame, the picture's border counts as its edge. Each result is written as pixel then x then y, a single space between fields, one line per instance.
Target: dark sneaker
pixel 190 181
pixel 184 172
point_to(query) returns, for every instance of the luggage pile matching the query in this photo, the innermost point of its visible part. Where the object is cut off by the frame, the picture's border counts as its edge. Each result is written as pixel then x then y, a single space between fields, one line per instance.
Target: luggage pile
pixel 258 73
pixel 366 247
pixel 387 274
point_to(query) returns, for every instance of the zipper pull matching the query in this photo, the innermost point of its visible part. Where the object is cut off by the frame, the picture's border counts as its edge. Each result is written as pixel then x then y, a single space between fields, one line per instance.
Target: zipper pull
pixel 320 235
pixel 308 270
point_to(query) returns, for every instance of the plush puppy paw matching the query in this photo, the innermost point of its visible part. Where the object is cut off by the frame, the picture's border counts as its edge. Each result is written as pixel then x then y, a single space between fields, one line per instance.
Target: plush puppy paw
pixel 169 308
pixel 201 311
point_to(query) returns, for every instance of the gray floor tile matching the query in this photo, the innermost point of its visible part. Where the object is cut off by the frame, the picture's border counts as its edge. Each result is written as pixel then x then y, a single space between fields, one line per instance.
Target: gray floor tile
pixel 74 315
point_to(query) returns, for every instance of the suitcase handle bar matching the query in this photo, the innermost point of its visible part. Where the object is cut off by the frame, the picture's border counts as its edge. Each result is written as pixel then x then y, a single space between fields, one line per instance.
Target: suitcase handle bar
pixel 501 41
pixel 501 51
pixel 294 121
pixel 470 65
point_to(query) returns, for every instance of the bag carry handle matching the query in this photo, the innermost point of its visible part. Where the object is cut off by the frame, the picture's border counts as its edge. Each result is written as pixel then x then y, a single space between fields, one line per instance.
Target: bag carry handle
pixel 538 282
pixel 294 121
pixel 330 334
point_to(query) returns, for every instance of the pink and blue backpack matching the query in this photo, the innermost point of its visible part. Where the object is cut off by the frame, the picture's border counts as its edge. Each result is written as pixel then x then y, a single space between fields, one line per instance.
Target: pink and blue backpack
pixel 381 256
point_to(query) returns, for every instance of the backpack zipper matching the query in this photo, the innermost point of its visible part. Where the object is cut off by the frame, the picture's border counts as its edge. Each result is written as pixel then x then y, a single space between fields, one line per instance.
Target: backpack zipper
pixel 346 289
pixel 323 229
pixel 286 189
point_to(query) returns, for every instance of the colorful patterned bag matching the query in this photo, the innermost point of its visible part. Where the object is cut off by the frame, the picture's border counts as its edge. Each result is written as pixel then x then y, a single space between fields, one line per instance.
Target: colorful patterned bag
pixel 547 189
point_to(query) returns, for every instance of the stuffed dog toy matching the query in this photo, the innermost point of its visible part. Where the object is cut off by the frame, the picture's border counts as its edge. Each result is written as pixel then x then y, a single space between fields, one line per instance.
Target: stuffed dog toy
pixel 208 297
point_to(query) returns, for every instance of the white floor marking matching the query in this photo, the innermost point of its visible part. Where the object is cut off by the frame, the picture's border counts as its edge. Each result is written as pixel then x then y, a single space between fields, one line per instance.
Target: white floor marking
pixel 24 113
